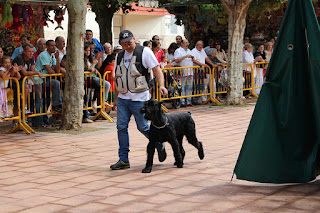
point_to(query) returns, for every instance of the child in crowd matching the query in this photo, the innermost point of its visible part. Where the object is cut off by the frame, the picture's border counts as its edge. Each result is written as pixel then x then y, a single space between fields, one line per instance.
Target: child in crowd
pixel 6 70
pixel 110 61
pixel 165 63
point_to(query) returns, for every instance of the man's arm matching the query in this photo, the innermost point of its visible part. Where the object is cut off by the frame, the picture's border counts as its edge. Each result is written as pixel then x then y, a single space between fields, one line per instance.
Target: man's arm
pixel 178 60
pixel 49 69
pixel 209 61
pixel 57 66
pixel 160 79
pixel 198 63
pixel 30 72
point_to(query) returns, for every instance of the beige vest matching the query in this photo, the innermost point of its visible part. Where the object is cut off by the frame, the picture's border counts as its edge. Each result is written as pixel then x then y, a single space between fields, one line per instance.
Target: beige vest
pixel 130 79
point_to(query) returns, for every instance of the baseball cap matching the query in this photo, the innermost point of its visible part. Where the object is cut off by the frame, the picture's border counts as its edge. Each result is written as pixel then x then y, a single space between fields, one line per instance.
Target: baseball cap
pixel 125 35
pixel 117 47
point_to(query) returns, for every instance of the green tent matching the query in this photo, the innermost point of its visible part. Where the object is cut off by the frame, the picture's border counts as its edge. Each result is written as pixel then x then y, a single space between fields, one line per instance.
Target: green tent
pixel 283 138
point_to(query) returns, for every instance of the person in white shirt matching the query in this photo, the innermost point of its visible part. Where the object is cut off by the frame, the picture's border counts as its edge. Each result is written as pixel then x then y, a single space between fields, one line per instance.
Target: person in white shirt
pixel 132 92
pixel 60 46
pixel 184 58
pixel 202 76
pixel 248 58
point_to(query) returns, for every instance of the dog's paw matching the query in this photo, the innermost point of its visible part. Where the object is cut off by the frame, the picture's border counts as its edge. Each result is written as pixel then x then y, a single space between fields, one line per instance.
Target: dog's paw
pixel 175 163
pixel 147 170
pixel 180 165
pixel 200 151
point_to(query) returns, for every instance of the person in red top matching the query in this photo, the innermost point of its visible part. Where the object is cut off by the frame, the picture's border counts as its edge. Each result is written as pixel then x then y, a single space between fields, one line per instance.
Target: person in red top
pixel 41 43
pixel 108 65
pixel 159 52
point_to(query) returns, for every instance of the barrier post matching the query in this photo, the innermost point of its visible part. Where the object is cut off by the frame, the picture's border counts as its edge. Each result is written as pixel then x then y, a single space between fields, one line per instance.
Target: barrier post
pixel 253 70
pixel 18 125
pixel 212 75
pixel 102 112
pixel 45 108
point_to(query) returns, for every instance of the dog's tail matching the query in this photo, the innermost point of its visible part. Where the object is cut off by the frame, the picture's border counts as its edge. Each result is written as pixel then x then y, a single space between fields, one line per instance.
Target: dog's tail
pixel 189 113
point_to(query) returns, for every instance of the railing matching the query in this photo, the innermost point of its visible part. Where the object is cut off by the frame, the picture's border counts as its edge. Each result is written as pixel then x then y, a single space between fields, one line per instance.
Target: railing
pixel 206 82
pixel 14 89
pixel 46 91
pixel 37 95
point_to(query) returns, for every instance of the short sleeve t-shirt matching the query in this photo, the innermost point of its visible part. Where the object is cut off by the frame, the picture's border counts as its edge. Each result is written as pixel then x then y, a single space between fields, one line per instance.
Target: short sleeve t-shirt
pixel 187 62
pixel 19 60
pixel 44 59
pixel 149 61
pixel 199 56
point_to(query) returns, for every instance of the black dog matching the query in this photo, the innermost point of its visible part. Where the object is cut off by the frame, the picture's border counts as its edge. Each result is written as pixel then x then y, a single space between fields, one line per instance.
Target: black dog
pixel 171 128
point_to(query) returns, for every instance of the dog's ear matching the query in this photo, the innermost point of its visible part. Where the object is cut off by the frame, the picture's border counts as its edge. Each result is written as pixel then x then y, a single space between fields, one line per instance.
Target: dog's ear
pixel 160 107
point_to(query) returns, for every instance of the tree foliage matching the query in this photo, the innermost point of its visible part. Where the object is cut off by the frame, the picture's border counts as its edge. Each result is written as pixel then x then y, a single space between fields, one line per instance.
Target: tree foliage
pixel 104 10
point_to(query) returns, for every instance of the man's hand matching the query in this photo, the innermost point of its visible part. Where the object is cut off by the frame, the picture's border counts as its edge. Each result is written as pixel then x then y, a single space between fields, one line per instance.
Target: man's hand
pixel 39 74
pixel 15 68
pixel 163 91
pixel 56 54
pixel 99 55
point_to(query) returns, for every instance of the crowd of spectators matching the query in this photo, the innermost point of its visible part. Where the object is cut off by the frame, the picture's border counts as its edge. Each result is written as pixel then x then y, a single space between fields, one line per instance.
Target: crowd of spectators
pixel 50 58
pixel 213 55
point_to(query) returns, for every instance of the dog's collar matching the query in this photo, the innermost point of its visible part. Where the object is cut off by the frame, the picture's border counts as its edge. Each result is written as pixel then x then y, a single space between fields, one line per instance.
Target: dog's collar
pixel 161 127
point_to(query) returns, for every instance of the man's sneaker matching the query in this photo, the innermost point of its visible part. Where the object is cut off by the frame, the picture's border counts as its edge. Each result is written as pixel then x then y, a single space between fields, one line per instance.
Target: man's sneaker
pixel 120 165
pixel 87 120
pixel 162 155
pixel 57 109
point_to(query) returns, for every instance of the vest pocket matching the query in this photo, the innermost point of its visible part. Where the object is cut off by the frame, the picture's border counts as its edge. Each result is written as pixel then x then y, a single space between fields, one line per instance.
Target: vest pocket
pixel 134 72
pixel 120 85
pixel 138 85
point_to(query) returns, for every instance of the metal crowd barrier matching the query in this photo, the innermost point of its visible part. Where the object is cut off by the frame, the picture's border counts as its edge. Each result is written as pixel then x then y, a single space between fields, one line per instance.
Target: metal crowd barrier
pixel 260 69
pixel 102 112
pixel 40 92
pixel 187 83
pixel 207 82
pixel 14 91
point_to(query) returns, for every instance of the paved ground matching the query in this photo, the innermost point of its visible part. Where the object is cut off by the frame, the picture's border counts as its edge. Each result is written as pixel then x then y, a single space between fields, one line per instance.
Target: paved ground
pixel 60 172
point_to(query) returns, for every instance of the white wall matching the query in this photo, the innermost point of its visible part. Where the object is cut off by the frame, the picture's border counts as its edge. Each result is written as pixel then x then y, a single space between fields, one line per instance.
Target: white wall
pixel 50 33
pixel 142 26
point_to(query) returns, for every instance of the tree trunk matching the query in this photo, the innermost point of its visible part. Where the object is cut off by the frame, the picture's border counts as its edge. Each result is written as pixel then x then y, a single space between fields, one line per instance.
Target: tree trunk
pixel 237 11
pixel 74 79
pixel 104 19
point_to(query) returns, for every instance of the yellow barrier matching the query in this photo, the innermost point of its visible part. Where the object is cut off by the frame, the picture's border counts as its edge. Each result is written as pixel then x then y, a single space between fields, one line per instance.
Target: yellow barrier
pixel 45 109
pixel 260 69
pixel 17 116
pixel 187 82
pixel 102 112
pixel 216 79
pixel 38 91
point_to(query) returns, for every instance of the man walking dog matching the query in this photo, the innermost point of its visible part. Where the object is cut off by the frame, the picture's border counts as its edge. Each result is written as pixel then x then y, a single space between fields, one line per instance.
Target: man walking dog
pixel 134 70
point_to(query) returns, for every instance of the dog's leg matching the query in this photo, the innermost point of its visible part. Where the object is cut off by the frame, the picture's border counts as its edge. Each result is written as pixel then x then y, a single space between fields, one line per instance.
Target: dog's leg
pixel 176 152
pixel 150 151
pixel 183 153
pixel 192 139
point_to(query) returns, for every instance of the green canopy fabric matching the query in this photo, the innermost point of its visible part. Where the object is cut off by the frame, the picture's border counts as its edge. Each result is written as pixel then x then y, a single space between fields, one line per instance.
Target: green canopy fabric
pixel 282 141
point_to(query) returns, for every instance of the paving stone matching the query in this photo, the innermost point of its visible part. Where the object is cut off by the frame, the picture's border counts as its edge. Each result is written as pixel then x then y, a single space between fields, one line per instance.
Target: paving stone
pixel 46 208
pixel 77 200
pixel 54 172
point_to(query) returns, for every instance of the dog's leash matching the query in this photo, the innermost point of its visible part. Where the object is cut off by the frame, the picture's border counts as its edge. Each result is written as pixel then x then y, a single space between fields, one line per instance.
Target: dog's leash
pixel 161 127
